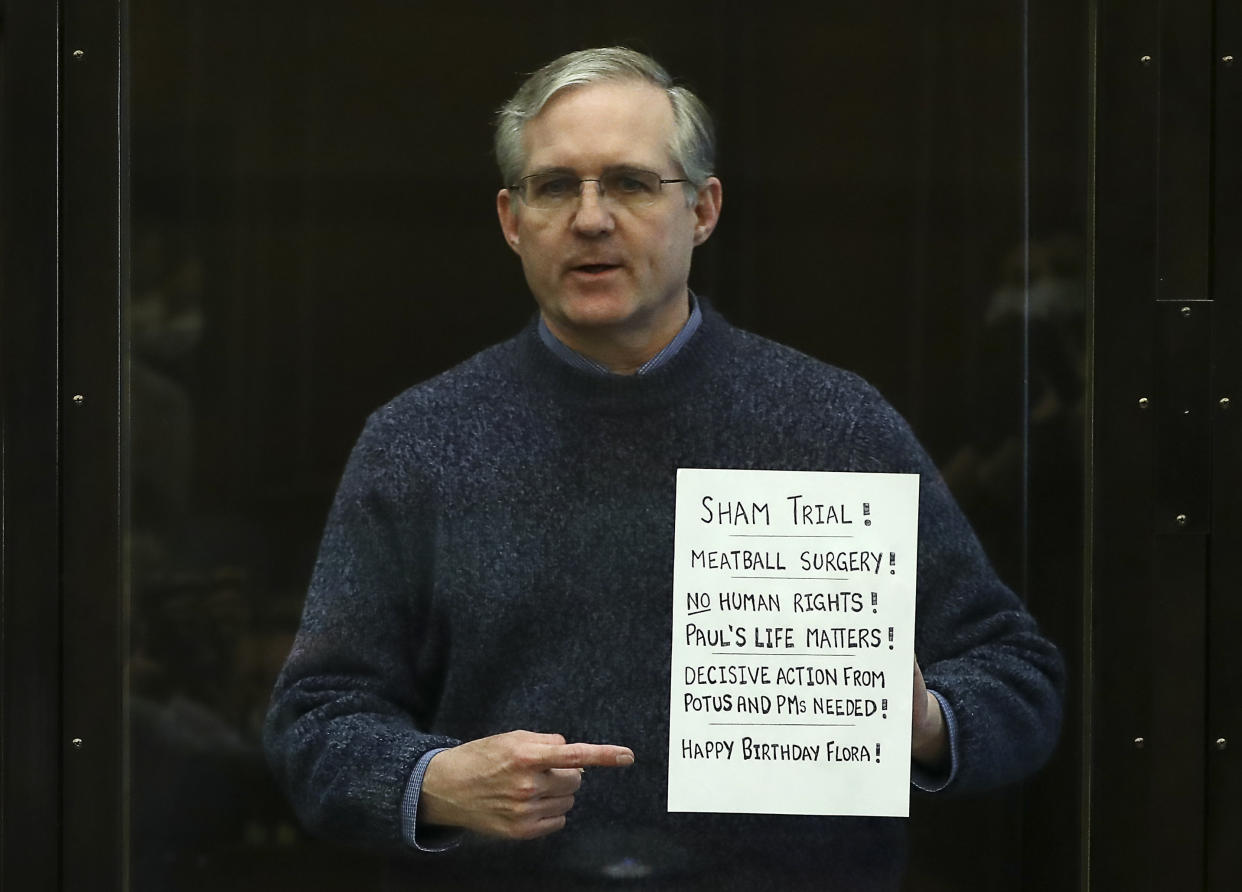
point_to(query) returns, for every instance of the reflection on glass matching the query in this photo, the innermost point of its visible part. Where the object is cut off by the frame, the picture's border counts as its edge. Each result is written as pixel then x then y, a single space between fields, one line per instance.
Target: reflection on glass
pixel 196 695
pixel 305 245
pixel 1032 325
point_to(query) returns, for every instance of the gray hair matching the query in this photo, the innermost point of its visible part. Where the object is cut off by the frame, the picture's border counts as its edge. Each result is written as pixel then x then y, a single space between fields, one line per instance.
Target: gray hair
pixel 693 146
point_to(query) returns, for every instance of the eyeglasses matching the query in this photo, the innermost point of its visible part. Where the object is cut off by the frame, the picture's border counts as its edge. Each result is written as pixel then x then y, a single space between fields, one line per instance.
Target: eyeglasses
pixel 626 187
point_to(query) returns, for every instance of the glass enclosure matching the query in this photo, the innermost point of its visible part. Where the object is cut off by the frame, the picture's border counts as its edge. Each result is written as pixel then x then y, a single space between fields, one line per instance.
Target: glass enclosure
pixel 312 231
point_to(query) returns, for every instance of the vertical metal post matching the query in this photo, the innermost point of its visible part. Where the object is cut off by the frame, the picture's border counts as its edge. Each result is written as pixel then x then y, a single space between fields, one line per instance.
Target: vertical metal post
pixel 1154 323
pixel 1121 439
pixel 1222 740
pixel 91 208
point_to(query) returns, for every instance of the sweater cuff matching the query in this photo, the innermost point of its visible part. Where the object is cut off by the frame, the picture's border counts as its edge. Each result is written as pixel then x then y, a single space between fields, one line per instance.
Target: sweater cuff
pixel 934 781
pixel 430 838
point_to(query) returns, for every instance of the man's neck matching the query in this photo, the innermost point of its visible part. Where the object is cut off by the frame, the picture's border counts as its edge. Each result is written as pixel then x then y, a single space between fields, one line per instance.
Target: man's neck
pixel 622 351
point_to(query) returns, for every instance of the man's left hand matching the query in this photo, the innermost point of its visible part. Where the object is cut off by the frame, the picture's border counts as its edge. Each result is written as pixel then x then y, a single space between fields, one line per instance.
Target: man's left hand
pixel 929 736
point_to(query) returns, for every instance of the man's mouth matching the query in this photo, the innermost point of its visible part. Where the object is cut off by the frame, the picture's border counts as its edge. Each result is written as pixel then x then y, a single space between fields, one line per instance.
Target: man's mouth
pixel 595 268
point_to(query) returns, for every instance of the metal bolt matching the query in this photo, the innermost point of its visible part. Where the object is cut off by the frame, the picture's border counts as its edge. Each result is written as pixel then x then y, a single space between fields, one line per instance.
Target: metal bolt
pixel 1181 520
pixel 1224 402
pixel 1139 743
pixel 1143 402
pixel 78 399
pixel 78 55
pixel 1228 60
pixel 1145 60
pixel 77 743
pixel 1221 743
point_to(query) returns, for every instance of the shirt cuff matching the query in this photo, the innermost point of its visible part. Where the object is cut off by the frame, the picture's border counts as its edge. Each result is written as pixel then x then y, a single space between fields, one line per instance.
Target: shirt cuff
pixel 431 838
pixel 930 781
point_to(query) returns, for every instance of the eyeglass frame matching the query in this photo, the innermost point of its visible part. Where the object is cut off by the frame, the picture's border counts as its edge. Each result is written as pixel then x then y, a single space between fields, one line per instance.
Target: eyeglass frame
pixel 520 186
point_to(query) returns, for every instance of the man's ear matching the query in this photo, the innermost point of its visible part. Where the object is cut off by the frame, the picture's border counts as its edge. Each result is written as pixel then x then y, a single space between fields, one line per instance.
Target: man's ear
pixel 507 211
pixel 707 209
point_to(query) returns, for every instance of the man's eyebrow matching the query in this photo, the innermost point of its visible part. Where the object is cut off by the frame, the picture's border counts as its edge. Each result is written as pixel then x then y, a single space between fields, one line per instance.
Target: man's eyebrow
pixel 545 170
pixel 611 168
pixel 621 168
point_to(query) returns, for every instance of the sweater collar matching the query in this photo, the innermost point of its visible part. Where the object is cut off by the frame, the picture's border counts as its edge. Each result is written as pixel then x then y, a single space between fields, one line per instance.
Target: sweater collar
pixel 669 383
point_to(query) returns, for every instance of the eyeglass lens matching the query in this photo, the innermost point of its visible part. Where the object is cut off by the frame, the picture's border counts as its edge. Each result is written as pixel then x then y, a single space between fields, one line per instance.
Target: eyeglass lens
pixel 627 187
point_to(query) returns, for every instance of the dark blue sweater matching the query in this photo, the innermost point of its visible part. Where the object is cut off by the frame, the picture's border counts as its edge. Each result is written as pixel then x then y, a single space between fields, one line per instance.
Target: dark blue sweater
pixel 499 556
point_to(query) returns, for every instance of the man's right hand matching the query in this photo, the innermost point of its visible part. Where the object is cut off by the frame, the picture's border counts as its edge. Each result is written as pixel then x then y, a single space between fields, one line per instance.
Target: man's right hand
pixel 517 785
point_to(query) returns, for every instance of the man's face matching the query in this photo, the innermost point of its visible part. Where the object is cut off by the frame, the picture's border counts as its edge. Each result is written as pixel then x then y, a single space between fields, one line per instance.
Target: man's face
pixel 602 274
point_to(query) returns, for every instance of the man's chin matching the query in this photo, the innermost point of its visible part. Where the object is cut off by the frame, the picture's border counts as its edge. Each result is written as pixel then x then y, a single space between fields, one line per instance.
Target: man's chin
pixel 599 311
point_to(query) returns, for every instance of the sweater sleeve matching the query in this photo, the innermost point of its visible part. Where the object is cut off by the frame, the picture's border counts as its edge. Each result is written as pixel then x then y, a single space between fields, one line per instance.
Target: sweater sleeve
pixel 977 645
pixel 342 733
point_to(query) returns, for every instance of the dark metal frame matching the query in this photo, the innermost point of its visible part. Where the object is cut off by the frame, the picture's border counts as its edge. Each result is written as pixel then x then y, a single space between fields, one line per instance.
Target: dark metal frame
pixel 63 819
pixel 1164 682
pixel 1224 609
pixel 1120 446
pixel 30 749
pixel 1167 457
pixel 92 627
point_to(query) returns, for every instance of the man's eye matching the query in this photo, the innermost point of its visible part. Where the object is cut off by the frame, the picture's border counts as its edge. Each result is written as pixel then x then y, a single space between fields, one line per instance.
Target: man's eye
pixel 631 184
pixel 556 187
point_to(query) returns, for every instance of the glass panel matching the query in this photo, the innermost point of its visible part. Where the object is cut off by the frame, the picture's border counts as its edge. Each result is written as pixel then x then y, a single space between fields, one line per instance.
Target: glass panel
pixel 313 232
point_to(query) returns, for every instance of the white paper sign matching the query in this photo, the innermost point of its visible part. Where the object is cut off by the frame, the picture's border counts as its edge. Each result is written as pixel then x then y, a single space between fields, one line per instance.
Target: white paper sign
pixel 793 642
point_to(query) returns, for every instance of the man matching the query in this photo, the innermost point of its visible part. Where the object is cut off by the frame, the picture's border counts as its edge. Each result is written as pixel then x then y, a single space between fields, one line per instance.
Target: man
pixel 490 611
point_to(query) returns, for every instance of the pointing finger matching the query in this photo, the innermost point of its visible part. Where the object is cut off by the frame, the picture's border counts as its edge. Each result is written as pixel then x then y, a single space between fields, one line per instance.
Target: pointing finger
pixel 586 755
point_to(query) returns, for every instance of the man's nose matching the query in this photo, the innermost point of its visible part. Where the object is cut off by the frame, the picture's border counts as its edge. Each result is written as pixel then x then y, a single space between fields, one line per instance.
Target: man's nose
pixel 593 216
